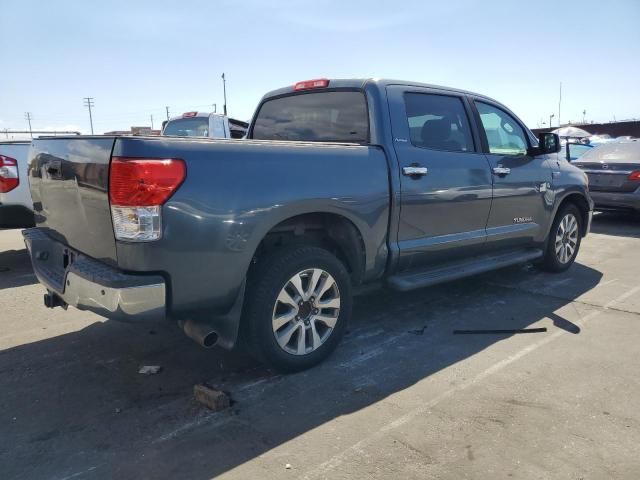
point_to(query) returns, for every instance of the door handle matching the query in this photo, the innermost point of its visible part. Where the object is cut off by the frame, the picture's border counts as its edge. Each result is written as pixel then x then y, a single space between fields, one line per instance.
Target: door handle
pixel 414 171
pixel 501 171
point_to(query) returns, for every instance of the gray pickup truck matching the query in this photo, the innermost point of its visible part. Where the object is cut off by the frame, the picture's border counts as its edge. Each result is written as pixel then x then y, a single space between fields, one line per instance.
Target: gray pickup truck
pixel 340 183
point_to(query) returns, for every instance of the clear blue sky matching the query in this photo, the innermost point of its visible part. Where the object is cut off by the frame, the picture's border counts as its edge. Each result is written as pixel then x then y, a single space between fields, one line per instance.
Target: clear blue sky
pixel 135 57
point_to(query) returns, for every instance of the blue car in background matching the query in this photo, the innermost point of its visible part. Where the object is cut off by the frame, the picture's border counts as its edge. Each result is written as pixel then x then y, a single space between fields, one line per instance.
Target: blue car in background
pixel 572 151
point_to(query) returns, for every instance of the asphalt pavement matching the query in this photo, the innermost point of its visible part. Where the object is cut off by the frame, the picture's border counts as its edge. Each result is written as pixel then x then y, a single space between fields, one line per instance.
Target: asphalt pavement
pixel 406 395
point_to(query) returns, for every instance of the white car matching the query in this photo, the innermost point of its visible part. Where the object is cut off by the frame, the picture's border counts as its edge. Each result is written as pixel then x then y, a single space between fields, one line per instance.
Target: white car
pixel 204 124
pixel 16 207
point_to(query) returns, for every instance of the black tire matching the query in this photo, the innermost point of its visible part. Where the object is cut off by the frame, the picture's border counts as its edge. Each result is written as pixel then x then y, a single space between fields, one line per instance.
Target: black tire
pixel 553 261
pixel 266 281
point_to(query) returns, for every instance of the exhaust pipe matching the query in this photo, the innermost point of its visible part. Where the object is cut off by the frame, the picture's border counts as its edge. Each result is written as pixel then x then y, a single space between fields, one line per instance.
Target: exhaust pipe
pixel 203 334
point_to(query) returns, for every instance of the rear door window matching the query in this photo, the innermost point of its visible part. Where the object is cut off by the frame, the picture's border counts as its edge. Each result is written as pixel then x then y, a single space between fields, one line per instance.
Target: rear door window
pixel 438 122
pixel 333 116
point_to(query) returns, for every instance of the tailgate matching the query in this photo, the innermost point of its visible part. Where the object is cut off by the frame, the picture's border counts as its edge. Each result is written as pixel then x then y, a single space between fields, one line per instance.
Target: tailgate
pixel 69 179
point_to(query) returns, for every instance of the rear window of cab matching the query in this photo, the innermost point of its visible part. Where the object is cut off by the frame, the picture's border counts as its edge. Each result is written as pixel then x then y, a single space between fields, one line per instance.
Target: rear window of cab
pixel 327 116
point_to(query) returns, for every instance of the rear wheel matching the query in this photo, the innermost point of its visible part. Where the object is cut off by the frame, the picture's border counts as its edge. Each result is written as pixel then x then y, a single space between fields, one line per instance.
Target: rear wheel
pixel 297 308
pixel 564 239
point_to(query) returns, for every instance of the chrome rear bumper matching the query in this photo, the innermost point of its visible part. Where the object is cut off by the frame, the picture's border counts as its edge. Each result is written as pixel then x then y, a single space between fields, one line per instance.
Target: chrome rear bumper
pixel 88 284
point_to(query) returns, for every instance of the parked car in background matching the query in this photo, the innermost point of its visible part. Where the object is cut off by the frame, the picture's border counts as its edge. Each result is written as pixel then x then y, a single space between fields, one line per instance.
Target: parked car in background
pixel 204 124
pixel 597 139
pixel 572 151
pixel 614 175
pixel 16 208
pixel 340 183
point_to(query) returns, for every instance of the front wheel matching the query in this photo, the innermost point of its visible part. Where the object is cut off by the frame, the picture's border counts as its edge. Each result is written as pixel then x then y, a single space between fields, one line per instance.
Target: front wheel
pixel 564 239
pixel 297 308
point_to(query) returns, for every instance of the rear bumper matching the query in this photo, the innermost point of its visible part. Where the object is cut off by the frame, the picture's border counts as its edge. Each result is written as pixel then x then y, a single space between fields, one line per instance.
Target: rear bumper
pixel 15 216
pixel 606 200
pixel 88 284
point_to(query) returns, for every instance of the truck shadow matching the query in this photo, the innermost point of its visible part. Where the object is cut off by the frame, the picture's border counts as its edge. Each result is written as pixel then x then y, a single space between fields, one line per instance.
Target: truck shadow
pixel 15 269
pixel 77 404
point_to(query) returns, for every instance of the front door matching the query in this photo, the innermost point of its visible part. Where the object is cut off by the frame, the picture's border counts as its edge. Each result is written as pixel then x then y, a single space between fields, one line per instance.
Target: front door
pixel 445 184
pixel 522 192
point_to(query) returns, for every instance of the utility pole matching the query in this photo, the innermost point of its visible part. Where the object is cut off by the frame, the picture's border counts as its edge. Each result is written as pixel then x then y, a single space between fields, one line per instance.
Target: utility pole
pixel 88 102
pixel 224 88
pixel 584 112
pixel 215 107
pixel 167 108
pixel 27 116
pixel 559 104
pixel 550 117
pixel 151 121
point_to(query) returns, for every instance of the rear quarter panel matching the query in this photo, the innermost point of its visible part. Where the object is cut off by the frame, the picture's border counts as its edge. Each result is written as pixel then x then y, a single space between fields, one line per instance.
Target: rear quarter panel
pixel 235 192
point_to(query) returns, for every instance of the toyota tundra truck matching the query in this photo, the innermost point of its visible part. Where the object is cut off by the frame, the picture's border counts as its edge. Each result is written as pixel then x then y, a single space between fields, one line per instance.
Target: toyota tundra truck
pixel 263 241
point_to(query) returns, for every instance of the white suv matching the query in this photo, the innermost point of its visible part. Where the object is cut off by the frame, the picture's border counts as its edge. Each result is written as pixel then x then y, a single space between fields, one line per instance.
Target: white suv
pixel 16 207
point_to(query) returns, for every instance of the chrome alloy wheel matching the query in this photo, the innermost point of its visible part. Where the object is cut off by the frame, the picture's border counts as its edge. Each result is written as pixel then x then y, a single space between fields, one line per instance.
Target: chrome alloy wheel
pixel 567 238
pixel 306 311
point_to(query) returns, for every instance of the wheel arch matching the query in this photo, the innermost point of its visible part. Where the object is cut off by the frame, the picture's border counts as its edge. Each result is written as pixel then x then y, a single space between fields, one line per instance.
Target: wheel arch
pixel 580 201
pixel 330 230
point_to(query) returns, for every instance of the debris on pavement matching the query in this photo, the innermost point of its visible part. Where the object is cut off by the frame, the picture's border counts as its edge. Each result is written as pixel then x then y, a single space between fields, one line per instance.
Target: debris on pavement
pixel 288 466
pixel 419 331
pixel 150 369
pixel 210 397
pixel 507 331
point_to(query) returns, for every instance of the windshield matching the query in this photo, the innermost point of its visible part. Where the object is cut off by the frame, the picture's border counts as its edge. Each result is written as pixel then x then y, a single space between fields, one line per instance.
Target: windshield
pixel 188 127
pixel 332 116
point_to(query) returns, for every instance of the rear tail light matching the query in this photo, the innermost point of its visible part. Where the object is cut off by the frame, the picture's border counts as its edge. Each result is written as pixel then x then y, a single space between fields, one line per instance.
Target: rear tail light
pixel 634 176
pixel 138 187
pixel 9 178
pixel 311 84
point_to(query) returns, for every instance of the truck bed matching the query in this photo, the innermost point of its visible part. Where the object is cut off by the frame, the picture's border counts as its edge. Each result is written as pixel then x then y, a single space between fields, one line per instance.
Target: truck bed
pixel 234 193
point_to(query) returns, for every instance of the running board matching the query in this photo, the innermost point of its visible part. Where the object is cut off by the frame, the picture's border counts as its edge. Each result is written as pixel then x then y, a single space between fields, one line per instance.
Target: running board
pixel 418 279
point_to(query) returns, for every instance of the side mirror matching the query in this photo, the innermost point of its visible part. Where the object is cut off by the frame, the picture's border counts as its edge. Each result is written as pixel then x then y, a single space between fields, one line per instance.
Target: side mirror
pixel 547 143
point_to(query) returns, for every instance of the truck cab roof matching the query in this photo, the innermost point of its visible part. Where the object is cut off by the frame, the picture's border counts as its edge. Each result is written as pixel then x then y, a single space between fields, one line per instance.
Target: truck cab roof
pixel 362 83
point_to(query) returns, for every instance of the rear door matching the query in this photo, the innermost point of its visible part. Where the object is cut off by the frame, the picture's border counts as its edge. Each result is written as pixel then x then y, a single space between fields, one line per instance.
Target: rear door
pixel 522 196
pixel 445 181
pixel 69 184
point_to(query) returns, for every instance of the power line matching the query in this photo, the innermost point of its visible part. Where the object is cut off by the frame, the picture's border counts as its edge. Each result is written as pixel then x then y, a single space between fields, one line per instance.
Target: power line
pixel 27 116
pixel 88 102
